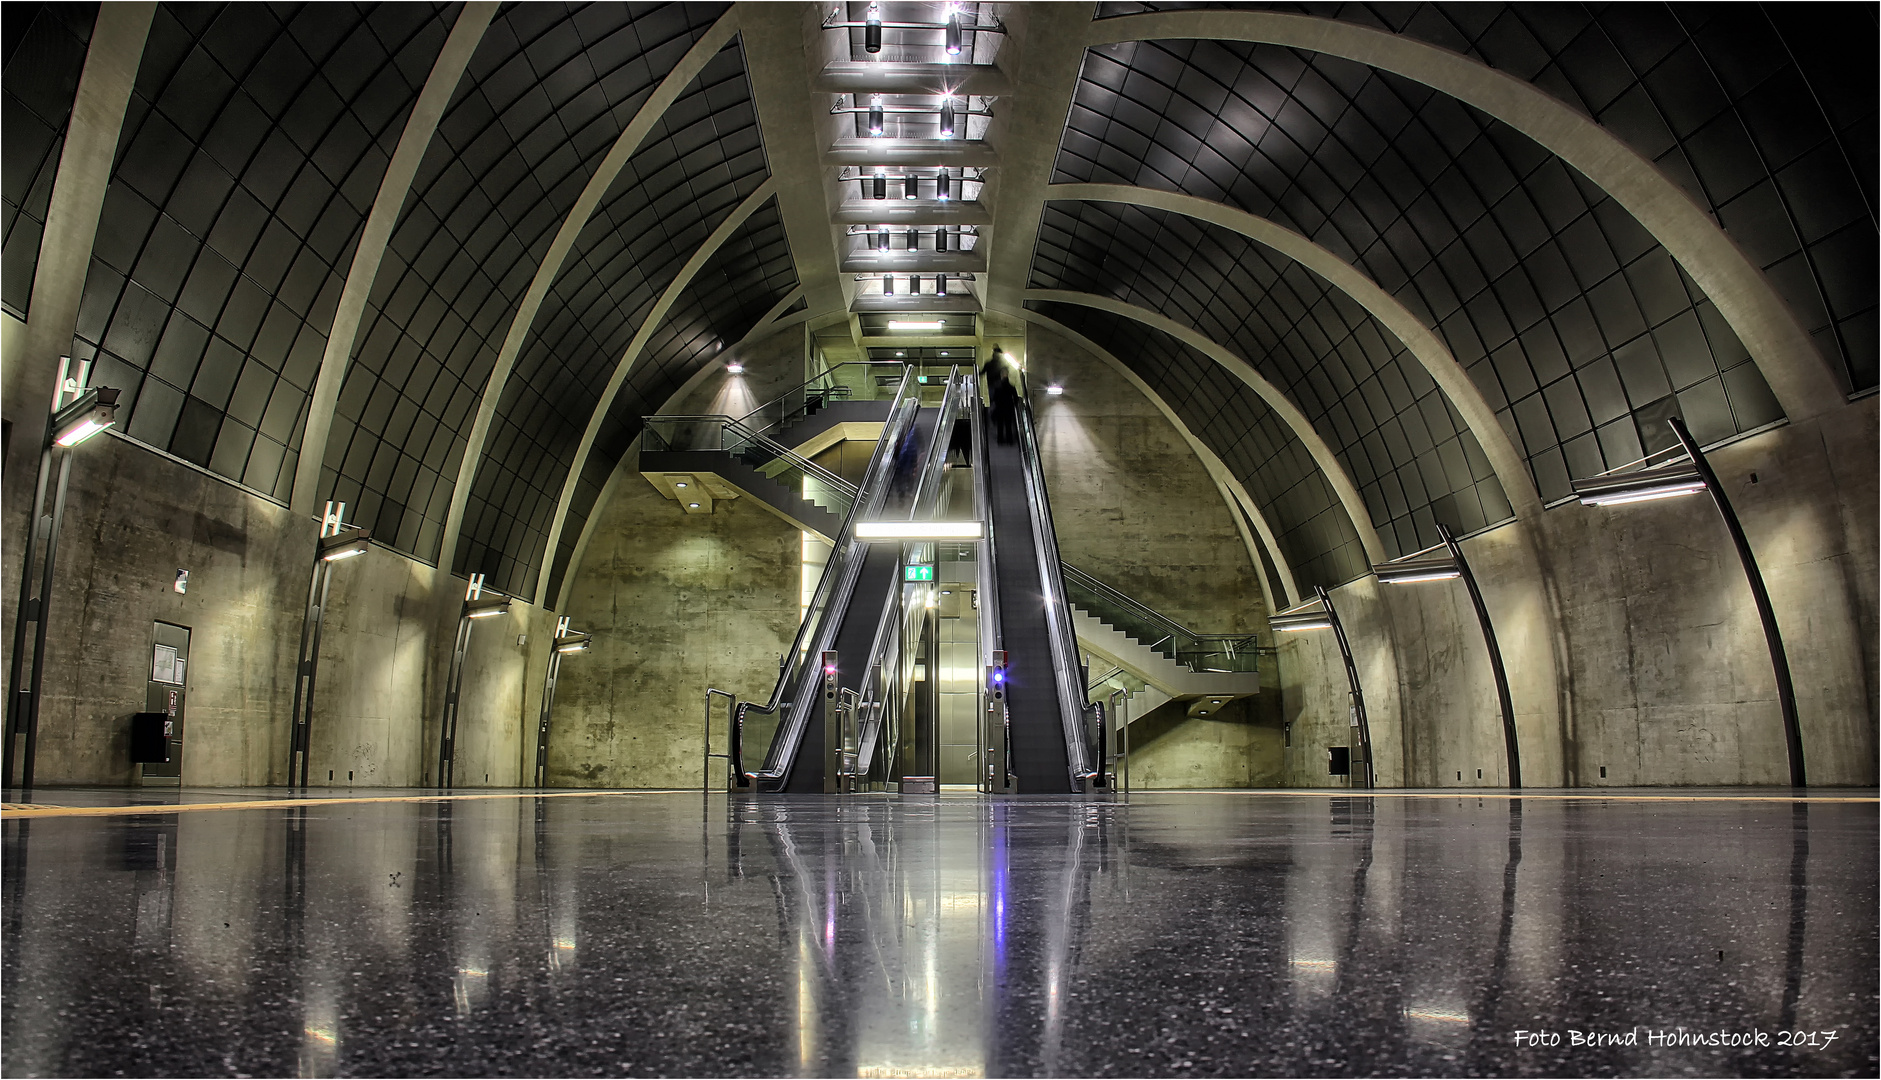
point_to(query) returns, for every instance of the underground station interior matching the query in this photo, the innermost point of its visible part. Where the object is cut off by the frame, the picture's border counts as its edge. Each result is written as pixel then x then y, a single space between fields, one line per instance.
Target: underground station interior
pixel 939 539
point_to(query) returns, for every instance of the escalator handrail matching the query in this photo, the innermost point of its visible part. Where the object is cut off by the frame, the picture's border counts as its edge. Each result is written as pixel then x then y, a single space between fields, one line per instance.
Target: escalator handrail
pixel 837 582
pixel 921 507
pixel 991 634
pixel 1071 701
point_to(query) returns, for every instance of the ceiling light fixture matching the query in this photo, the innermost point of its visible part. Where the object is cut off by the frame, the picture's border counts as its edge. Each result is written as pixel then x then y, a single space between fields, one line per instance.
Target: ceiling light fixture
pixel 953 33
pixel 872 30
pixel 947 106
pixel 919 530
pixel 900 324
pixel 1055 390
pixel 875 115
pixel 735 368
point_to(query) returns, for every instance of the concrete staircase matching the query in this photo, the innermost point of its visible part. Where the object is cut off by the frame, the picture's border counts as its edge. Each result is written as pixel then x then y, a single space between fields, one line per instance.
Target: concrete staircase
pixel 1153 679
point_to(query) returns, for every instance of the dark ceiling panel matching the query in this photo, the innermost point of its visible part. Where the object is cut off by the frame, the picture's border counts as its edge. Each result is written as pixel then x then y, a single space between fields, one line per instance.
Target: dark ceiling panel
pixel 748 276
pixel 1764 113
pixel 1409 453
pixel 544 98
pixel 43 61
pixel 1530 273
pixel 687 178
pixel 1311 528
pixel 253 145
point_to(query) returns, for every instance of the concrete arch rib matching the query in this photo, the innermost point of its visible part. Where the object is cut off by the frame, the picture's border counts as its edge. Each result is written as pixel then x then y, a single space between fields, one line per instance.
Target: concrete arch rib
pixel 420 126
pixel 78 195
pixel 1282 405
pixel 764 193
pixel 1233 491
pixel 631 137
pixel 1803 381
pixel 770 324
pixel 1511 469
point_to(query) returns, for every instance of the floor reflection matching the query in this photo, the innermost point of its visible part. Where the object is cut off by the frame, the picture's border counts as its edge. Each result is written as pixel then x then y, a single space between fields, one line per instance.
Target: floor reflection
pixel 956 937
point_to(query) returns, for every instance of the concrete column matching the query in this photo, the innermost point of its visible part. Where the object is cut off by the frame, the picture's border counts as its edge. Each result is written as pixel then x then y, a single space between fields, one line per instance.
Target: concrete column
pixel 394 188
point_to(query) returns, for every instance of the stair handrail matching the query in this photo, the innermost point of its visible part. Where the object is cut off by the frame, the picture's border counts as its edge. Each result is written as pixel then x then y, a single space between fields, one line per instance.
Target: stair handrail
pixel 1063 638
pixel 802 390
pixel 1173 632
pixel 750 437
pixel 838 578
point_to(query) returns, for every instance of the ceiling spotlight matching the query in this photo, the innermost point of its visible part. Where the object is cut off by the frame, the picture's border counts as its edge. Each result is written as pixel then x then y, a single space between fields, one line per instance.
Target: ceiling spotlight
pixel 680 485
pixel 735 368
pixel 940 239
pixel 953 33
pixel 875 115
pixel 940 284
pixel 888 285
pixel 879 189
pixel 947 107
pixel 898 353
pixel 881 239
pixel 692 505
pixel 872 30
pixel 943 185
pixel 910 187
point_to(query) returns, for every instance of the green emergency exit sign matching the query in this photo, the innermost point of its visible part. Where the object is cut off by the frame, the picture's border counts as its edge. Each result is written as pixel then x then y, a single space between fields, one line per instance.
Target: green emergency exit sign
pixel 917 573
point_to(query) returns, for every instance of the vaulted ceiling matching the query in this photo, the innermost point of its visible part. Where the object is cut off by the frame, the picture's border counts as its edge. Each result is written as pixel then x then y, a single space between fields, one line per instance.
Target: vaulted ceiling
pixel 1393 265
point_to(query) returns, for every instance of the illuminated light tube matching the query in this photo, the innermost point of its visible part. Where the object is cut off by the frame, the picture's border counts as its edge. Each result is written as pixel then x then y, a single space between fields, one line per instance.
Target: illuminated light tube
pixel 919 530
pixel 1667 482
pixel 1413 570
pixel 900 324
pixel 84 417
pixel 947 115
pixel 881 239
pixel 1309 618
pixel 953 33
pixel 574 643
pixel 335 548
pixel 484 609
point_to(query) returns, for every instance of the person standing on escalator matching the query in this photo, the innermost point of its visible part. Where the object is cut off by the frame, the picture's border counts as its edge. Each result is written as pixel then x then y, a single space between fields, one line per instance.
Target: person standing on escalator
pixel 1003 398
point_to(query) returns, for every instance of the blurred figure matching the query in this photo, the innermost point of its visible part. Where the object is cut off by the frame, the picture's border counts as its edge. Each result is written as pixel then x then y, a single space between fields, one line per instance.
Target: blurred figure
pixel 1003 398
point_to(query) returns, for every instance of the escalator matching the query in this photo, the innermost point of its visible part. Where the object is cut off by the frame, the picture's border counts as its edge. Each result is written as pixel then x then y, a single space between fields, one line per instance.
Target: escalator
pixel 1040 728
pixel 823 735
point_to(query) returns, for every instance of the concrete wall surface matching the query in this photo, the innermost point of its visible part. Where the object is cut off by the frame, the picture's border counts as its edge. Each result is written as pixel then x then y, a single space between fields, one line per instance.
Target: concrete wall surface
pixel 1664 676
pixel 676 602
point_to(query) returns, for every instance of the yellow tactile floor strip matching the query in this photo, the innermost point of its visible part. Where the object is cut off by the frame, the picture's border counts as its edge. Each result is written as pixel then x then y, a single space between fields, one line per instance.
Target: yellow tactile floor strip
pixel 1361 793
pixel 39 810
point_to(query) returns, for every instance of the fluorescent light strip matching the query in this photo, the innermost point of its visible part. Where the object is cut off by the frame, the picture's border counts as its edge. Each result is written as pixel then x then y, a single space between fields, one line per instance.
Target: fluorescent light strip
pixel 1321 624
pixel 919 530
pixel 1692 487
pixel 1411 579
pixel 897 324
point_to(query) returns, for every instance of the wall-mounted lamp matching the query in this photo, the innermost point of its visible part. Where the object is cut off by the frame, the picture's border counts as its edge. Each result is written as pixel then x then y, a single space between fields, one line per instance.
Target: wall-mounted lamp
pixel 1443 567
pixel 338 542
pixel 1689 478
pixel 567 643
pixel 79 412
pixel 93 411
pixel 1319 614
pixel 476 606
pixel 1055 390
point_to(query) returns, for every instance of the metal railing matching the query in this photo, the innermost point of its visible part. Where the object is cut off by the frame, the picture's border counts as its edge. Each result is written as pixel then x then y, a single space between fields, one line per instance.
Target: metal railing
pixel 1158 632
pixel 768 457
pixel 817 632
pixel 854 380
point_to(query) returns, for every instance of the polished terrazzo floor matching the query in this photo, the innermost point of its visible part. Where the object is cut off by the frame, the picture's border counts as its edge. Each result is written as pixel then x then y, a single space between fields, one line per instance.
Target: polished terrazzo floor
pixel 1237 934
